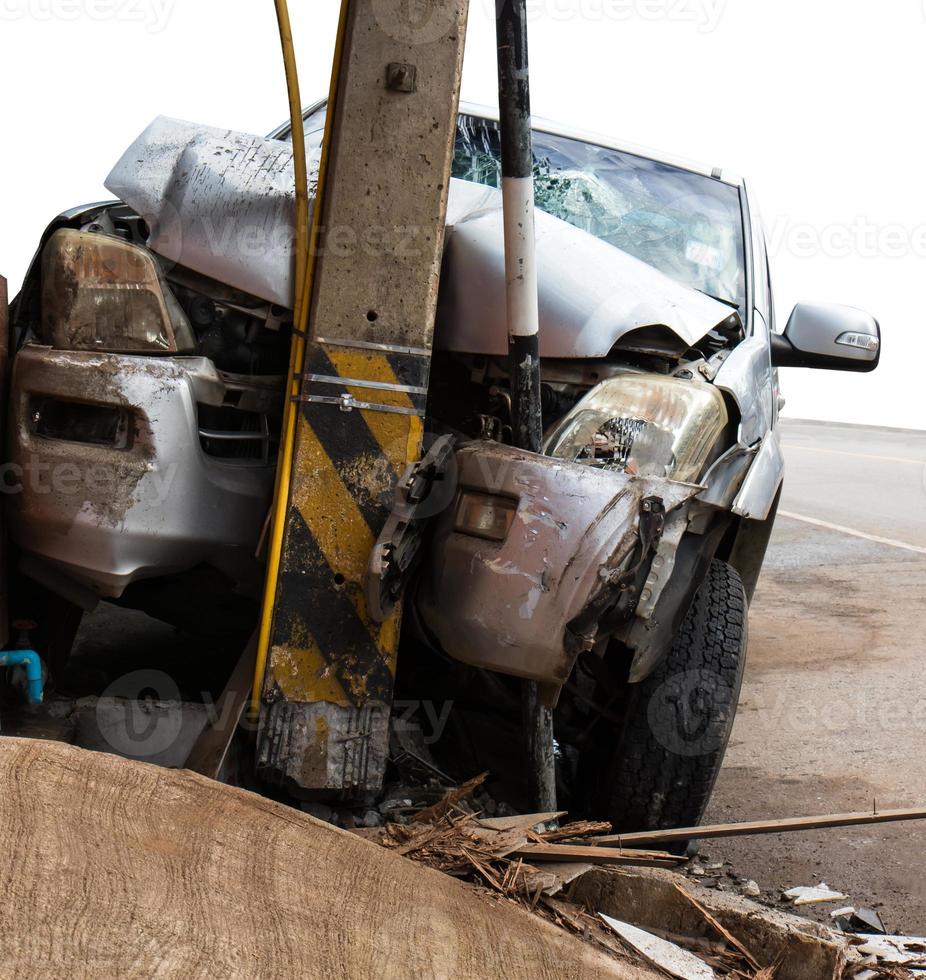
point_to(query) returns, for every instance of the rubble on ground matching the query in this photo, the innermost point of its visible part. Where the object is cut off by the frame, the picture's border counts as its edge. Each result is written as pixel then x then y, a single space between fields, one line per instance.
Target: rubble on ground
pixel 630 901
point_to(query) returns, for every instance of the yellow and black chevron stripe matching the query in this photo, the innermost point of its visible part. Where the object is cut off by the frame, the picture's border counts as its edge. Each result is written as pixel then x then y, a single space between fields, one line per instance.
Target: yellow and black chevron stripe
pixel 360 424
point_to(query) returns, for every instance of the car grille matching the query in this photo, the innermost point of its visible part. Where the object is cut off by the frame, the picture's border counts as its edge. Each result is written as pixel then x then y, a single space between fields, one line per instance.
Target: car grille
pixel 236 435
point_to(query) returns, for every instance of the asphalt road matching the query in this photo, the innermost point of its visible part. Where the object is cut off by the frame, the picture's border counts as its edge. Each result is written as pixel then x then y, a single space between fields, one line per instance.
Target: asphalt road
pixel 833 711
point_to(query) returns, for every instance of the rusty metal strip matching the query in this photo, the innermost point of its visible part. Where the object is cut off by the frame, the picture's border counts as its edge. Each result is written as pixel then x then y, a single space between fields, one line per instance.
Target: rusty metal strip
pixel 347 403
pixel 357 383
pixel 384 348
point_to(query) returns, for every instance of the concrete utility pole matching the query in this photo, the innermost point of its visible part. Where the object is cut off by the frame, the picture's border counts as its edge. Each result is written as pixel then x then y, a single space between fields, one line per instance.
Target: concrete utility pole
pixel 362 385
pixel 514 104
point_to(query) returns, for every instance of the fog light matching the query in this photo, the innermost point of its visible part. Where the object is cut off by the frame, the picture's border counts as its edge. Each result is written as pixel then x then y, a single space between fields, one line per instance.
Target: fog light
pixel 483 516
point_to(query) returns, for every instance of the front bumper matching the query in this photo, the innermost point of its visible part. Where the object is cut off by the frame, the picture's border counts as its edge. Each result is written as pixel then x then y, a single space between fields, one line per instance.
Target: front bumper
pixel 507 606
pixel 109 507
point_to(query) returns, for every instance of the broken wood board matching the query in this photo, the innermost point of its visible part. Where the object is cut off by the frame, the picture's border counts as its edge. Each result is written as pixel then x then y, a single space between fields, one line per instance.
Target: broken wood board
pixel 898 950
pixel 721 931
pixel 651 900
pixel 596 855
pixel 118 868
pixel 788 825
pixel 553 878
pixel 677 962
pixel 527 821
pixel 814 894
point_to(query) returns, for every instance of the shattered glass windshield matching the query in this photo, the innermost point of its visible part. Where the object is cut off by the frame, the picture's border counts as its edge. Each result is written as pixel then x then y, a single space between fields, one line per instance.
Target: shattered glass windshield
pixel 686 225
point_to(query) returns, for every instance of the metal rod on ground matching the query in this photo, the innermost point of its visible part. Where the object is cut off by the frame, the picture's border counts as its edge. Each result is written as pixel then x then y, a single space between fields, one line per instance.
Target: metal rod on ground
pixel 523 319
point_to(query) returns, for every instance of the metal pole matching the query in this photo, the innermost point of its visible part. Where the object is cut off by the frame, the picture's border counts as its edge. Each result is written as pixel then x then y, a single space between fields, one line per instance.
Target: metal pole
pixel 523 321
pixel 514 104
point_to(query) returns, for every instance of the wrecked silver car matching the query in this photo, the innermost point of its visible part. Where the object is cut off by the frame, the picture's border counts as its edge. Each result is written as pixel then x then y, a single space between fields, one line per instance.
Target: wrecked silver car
pixel 150 347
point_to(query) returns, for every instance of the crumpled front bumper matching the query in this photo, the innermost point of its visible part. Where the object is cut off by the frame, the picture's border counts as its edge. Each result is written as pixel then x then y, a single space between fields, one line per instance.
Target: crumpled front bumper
pixel 145 501
pixel 507 606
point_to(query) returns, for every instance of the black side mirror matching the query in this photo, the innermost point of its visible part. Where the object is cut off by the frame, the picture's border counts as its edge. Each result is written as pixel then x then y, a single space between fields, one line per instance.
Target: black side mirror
pixel 823 335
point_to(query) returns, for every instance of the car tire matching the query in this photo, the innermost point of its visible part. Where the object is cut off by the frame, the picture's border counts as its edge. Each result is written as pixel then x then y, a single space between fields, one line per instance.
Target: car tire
pixel 666 754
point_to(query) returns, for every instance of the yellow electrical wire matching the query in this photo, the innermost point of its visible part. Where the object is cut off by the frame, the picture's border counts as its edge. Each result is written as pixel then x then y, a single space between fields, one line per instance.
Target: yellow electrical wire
pixel 305 269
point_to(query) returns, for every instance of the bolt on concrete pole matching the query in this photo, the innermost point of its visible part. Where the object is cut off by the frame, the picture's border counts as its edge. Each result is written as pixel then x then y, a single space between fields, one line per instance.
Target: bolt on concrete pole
pixel 523 321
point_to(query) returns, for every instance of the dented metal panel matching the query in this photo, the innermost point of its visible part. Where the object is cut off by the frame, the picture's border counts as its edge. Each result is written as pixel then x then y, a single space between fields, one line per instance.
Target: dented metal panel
pixel 216 201
pixel 221 203
pixel 146 500
pixel 764 479
pixel 591 293
pixel 505 606
pixel 747 375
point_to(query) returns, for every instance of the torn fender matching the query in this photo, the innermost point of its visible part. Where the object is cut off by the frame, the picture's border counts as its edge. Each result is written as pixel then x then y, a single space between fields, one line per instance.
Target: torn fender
pixel 506 605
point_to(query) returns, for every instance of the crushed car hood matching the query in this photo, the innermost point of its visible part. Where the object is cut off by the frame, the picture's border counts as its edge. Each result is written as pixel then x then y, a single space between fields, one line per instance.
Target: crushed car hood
pixel 222 203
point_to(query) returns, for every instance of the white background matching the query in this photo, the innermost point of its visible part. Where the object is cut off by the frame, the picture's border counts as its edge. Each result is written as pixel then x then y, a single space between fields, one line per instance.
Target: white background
pixel 818 103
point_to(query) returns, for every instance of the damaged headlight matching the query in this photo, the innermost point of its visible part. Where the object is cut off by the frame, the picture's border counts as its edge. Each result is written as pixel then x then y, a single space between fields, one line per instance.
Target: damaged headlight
pixel 104 294
pixel 644 425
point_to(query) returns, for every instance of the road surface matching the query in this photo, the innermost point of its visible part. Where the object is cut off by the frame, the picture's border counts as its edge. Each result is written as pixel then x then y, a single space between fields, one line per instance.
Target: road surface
pixel 833 711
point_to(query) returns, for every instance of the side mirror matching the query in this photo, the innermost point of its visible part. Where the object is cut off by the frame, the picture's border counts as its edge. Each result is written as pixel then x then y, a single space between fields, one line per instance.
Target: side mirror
pixel 838 338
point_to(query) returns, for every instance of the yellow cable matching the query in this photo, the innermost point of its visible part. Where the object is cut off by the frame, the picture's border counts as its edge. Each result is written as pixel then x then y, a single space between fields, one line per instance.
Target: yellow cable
pixel 305 268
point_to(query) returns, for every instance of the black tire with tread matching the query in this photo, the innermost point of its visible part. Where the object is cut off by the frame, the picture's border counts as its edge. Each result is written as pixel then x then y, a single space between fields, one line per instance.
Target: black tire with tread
pixel 676 724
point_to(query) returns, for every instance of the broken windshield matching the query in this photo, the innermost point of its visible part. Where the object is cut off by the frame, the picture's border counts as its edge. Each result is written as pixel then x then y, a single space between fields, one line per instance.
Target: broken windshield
pixel 686 225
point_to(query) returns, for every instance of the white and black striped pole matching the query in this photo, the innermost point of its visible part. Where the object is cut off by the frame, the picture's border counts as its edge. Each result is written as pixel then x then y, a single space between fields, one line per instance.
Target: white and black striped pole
pixel 514 105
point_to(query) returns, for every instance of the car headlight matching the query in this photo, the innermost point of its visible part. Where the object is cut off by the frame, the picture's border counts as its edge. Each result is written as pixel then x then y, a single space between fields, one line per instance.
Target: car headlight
pixel 104 294
pixel 644 425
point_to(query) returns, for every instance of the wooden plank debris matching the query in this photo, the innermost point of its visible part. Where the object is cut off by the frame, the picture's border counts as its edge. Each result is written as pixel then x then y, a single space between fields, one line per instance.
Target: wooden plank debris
pixel 526 821
pixel 719 929
pixel 789 825
pixel 677 962
pixel 597 855
pixel 555 876
pixel 452 797
pixel 211 749
pixel 814 895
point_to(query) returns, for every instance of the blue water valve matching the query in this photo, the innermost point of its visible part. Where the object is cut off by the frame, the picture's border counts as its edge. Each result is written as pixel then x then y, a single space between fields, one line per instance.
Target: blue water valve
pixel 35 685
